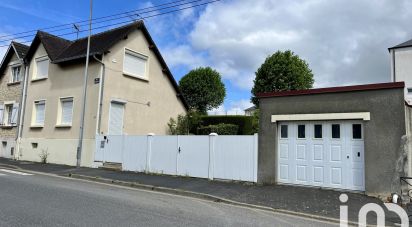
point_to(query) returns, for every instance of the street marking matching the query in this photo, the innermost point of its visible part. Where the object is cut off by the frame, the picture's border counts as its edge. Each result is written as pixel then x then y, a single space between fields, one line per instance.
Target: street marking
pixel 15 172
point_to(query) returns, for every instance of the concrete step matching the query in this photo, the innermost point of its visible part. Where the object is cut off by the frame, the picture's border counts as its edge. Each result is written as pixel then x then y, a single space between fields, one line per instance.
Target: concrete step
pixel 111 166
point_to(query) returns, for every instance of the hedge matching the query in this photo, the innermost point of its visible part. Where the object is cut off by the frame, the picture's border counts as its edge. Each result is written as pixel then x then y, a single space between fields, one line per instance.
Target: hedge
pixel 220 129
pixel 244 123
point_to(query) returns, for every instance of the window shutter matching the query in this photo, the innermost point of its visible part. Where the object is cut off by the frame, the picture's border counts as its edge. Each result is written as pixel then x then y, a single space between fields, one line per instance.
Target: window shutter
pixel 134 65
pixel 1 113
pixel 42 68
pixel 15 113
pixel 40 113
pixel 67 111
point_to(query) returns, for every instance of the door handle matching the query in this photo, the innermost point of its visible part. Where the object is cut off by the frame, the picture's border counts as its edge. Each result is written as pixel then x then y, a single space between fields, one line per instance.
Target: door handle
pixel 179 150
pixel 347 157
pixel 358 154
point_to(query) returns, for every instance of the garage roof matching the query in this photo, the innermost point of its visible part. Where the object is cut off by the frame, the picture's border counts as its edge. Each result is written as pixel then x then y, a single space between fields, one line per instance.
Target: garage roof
pixel 363 87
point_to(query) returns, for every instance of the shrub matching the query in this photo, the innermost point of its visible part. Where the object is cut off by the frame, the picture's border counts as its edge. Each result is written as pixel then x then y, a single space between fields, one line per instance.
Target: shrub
pixel 244 123
pixel 220 129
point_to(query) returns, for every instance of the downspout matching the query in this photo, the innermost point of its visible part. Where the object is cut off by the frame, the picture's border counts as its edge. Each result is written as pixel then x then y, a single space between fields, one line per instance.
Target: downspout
pixel 393 65
pixel 22 108
pixel 101 87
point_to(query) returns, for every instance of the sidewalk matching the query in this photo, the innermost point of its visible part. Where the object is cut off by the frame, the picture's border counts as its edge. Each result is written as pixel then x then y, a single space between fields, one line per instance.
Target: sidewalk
pixel 309 201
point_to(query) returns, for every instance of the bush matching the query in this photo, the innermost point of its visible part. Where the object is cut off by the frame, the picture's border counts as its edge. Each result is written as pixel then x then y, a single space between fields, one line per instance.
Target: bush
pixel 244 123
pixel 184 124
pixel 220 129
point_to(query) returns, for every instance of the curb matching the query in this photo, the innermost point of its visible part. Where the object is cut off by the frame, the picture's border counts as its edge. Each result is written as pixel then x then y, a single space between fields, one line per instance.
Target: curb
pixel 204 196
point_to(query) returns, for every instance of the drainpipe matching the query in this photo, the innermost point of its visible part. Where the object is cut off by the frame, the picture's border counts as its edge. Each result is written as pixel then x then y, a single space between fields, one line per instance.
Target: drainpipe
pixel 101 87
pixel 23 98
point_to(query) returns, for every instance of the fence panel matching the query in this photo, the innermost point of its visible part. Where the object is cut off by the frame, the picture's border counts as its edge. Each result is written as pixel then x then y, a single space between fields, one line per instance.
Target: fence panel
pixel 135 150
pixel 235 158
pixel 193 158
pixel 113 149
pixel 163 156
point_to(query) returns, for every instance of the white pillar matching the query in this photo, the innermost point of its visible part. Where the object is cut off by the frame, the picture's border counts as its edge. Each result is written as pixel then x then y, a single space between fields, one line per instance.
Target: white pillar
pixel 149 151
pixel 212 141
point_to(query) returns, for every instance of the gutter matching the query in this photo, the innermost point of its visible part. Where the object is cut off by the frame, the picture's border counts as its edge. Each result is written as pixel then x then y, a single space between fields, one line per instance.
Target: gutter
pixel 101 87
pixel 22 106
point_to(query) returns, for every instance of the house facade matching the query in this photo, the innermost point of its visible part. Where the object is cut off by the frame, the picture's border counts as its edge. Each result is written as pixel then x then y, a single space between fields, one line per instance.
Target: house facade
pixel 347 138
pixel 12 72
pixel 130 90
pixel 401 66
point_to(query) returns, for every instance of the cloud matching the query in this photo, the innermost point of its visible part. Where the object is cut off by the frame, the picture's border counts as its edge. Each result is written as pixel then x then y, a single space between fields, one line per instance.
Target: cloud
pixel 183 55
pixel 344 41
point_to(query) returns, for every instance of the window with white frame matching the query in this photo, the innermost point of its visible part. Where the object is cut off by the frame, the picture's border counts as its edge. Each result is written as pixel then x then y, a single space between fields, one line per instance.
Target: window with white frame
pixel 16 74
pixel 42 68
pixel 39 113
pixel 8 113
pixel 135 64
pixel 66 111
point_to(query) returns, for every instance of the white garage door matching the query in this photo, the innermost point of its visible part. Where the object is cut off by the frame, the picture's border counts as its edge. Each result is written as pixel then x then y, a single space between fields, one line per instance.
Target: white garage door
pixel 326 154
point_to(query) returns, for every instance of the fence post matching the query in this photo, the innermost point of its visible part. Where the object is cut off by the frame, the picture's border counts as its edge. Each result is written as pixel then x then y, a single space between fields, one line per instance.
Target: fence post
pixel 212 141
pixel 149 151
pixel 255 156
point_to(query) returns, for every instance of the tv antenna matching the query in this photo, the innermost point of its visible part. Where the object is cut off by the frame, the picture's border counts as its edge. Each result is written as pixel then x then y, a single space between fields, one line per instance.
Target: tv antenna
pixel 77 28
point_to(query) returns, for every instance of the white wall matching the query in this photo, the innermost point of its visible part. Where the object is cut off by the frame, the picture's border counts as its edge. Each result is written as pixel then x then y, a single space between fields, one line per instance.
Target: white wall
pixel 403 68
pixel 213 157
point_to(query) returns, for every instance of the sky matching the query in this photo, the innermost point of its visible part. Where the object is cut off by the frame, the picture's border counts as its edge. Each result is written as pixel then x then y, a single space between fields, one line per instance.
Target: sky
pixel 344 41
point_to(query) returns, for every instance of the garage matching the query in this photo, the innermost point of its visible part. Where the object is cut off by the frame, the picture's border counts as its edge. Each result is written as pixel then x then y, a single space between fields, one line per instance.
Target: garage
pixel 327 154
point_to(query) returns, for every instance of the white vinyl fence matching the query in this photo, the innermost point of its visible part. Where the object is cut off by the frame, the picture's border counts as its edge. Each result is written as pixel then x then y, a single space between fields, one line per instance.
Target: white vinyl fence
pixel 221 157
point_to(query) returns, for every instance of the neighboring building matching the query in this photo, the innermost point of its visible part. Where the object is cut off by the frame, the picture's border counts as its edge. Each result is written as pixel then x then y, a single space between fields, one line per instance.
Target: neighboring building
pixel 12 71
pixel 250 111
pixel 347 138
pixel 130 90
pixel 401 66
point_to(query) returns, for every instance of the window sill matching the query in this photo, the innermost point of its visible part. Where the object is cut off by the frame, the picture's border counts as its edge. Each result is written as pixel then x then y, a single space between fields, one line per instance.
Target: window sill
pixel 13 83
pixel 7 126
pixel 63 126
pixel 36 126
pixel 39 79
pixel 136 77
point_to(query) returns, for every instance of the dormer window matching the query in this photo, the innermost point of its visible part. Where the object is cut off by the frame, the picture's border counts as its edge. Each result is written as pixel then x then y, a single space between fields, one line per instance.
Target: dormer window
pixel 16 74
pixel 42 68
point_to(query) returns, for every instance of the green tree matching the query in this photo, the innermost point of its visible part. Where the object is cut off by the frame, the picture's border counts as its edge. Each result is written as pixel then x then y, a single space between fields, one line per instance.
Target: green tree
pixel 203 89
pixel 283 71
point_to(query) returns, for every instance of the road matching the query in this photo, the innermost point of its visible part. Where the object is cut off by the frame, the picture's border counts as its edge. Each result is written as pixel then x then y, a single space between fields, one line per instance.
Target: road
pixel 40 200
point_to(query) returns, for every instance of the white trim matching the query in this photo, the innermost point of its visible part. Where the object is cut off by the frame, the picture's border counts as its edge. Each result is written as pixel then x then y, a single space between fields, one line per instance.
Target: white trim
pixel 35 71
pixel 59 123
pixel 322 116
pixel 33 123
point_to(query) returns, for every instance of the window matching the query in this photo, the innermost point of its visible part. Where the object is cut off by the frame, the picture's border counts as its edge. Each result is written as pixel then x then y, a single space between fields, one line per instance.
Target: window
pixel 42 68
pixel 318 131
pixel 39 113
pixel 9 114
pixel 66 111
pixel 134 64
pixel 357 131
pixel 409 90
pixel 301 131
pixel 335 131
pixel 15 74
pixel 283 131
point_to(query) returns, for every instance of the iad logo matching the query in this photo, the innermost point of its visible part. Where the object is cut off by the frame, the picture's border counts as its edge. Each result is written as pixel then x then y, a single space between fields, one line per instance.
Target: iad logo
pixel 372 207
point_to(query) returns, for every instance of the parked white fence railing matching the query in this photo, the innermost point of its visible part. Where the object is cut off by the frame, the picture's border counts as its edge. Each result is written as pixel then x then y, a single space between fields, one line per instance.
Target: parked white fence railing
pixel 213 156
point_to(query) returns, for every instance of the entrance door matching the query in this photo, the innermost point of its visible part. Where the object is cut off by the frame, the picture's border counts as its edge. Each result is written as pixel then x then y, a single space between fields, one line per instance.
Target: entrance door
pixel 325 154
pixel 116 118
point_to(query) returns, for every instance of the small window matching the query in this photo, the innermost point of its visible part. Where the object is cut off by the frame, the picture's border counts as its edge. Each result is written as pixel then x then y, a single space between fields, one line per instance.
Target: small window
pixel 39 109
pixel 34 145
pixel 135 64
pixel 66 111
pixel 409 90
pixel 335 131
pixel 283 131
pixel 357 131
pixel 301 131
pixel 15 74
pixel 42 66
pixel 318 131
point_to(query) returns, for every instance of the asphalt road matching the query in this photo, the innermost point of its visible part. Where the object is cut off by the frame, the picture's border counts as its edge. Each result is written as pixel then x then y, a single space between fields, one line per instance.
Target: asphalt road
pixel 39 200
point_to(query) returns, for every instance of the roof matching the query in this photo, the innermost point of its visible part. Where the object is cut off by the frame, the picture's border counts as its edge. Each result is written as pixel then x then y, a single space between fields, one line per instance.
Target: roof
pixel 14 48
pixel 402 45
pixel 251 108
pixel 364 87
pixel 62 50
